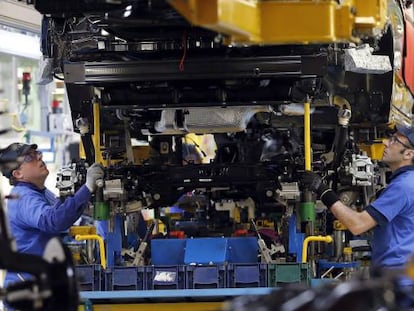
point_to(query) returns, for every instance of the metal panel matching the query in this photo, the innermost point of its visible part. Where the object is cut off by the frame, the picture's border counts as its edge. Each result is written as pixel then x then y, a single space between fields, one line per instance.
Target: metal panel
pixel 20 15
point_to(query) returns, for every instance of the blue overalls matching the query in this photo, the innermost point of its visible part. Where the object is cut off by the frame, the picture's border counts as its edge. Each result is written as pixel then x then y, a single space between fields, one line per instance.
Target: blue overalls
pixel 35 216
pixel 393 239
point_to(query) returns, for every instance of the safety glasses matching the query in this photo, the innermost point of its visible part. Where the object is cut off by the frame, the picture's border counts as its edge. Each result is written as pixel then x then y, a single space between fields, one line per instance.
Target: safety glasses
pixel 393 139
pixel 31 156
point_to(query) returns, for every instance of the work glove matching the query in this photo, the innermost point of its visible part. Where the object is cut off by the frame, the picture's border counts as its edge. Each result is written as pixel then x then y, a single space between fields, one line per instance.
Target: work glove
pixel 93 174
pixel 314 183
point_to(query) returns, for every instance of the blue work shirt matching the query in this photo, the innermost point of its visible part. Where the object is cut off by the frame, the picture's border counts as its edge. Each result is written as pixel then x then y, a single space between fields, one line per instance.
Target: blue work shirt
pixel 393 240
pixel 35 216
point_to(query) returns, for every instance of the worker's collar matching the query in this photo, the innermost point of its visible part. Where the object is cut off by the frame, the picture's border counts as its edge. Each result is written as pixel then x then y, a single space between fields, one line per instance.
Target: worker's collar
pixel 401 170
pixel 31 186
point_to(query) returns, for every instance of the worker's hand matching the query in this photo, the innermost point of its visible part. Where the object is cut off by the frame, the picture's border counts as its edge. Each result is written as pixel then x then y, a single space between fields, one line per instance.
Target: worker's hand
pixel 94 173
pixel 314 182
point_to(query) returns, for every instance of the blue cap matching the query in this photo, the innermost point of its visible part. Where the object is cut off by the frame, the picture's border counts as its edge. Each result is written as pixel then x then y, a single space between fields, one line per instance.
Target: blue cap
pixel 407 132
pixel 9 157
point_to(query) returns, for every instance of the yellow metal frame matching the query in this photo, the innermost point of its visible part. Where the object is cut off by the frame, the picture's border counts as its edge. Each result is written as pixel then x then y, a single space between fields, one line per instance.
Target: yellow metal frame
pixel 96 137
pixel 286 22
pixel 83 230
pixel 97 132
pixel 307 134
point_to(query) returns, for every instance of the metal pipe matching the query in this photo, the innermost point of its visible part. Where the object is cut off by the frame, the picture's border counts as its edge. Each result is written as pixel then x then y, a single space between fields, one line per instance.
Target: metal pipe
pixel 80 237
pixel 313 238
pixel 90 247
pixel 327 272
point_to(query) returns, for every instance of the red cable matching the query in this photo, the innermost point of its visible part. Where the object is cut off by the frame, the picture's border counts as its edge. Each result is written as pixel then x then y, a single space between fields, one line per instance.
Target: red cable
pixel 184 42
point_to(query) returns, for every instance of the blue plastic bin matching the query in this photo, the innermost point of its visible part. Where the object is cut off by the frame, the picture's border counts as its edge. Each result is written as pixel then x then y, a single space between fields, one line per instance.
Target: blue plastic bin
pixel 165 277
pixel 124 278
pixel 247 275
pixel 89 277
pixel 206 276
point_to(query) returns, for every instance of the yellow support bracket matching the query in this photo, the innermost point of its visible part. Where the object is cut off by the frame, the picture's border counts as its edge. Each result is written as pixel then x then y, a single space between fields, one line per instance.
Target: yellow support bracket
pixel 97 132
pixel 75 230
pixel 307 136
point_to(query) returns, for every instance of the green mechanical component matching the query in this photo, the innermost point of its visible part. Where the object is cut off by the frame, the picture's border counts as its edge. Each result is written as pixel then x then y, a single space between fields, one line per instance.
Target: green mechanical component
pixel 101 211
pixel 307 211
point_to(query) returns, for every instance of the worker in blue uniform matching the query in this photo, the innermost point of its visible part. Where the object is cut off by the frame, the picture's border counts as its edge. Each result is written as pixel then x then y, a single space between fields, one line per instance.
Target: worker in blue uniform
pixel 35 214
pixel 391 214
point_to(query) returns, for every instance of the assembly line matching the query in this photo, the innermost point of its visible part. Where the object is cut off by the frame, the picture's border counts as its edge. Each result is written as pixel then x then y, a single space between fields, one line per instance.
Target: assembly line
pixel 306 201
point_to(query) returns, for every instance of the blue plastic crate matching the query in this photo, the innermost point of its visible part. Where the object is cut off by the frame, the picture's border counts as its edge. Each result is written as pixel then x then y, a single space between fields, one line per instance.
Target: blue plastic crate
pixel 206 276
pixel 203 251
pixel 247 275
pixel 124 278
pixel 173 247
pixel 165 277
pixel 324 265
pixel 89 277
pixel 242 250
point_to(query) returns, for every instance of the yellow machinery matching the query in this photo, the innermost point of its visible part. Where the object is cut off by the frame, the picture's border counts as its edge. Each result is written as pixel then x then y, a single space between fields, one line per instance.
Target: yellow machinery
pixel 286 22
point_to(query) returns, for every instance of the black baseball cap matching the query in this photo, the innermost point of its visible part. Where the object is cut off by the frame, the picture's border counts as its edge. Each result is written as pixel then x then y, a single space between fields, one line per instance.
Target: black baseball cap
pixel 9 157
pixel 407 132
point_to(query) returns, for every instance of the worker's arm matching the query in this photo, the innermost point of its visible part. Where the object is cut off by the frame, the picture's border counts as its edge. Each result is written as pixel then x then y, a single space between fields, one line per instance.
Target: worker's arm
pixel 356 222
pixel 61 216
pixel 40 211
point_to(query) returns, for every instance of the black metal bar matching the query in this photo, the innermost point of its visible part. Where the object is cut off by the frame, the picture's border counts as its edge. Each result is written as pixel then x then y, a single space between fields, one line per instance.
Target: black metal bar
pixel 195 69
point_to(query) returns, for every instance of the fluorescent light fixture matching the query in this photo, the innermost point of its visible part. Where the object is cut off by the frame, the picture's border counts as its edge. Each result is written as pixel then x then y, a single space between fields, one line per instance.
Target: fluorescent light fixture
pixel 19 44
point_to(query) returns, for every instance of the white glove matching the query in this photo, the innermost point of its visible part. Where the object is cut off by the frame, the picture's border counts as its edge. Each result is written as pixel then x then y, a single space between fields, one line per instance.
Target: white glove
pixel 94 173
